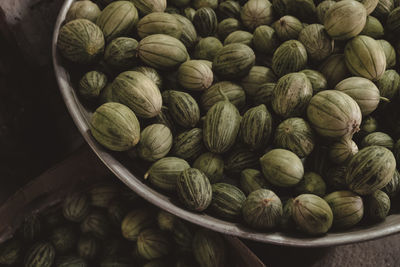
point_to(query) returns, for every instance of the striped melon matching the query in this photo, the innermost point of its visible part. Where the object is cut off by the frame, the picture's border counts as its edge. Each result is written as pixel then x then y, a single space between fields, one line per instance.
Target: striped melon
pixel 138 92
pixel 115 126
pixel 189 34
pixel 40 254
pixel 81 41
pixel 118 19
pixel 102 194
pixel 189 144
pixel 162 51
pixel 291 56
pixel 164 173
pixel 227 201
pixel 76 207
pixel 88 247
pixel 211 164
pixel 135 221
pixel 96 224
pixel 218 91
pixel 83 10
pixel 149 6
pixel 334 114
pixel 209 248
pixel 153 244
pixel 155 142
pixel 363 91
pixel 91 84
pixel 287 28
pixel 341 152
pixel 120 53
pixel 195 75
pixel 378 139
pixel 159 22
pixel 242 37
pixel 63 238
pixel 205 21
pixel 234 61
pixel 183 109
pixel 255 13
pixel 240 158
pixel 370 169
pixel 334 69
pixel 257 77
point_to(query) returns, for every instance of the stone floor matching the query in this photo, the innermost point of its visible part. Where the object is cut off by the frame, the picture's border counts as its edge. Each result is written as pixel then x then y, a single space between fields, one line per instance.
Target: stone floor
pixel 36 131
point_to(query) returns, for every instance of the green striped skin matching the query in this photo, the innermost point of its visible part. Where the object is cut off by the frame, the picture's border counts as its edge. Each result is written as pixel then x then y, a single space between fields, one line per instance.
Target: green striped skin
pixel 234 61
pixel 159 23
pixel 365 57
pixel 189 144
pixel 347 208
pixel 212 165
pixel 229 9
pixel 239 159
pixel 102 194
pixel 322 8
pixel 393 187
pixel 291 56
pixel 155 142
pixel 312 183
pixel 164 173
pixel 342 151
pixel 31 228
pixel 63 238
pixel 227 26
pixel 312 214
pixel 282 167
pixel 264 94
pixel 389 84
pixel 252 180
pixel 392 22
pixel 194 189
pixel 116 262
pixel 317 42
pixel 303 9
pixel 120 53
pixel 265 39
pixel 287 28
pixel 91 84
pixel 256 127
pixel 257 77
pixel 334 114
pixel 76 207
pixel 221 127
pixel 369 5
pixel 383 9
pixel 378 139
pixel 287 223
pixel 81 41
pixel 96 224
pixel 291 95
pixel 317 79
pixel 227 201
pixel 345 19
pixel 219 90
pixel 166 220
pixel 207 48
pixel 40 254
pixel 10 252
pixel 334 69
pixel 377 205
pixel 88 247
pixel 148 6
pixel 262 209
pixel 370 169
pixel 255 13
pixel 189 34
pixel 369 125
pixel 106 95
pixel 115 126
pixel 373 28
pixel 118 19
pixel 152 74
pixel 189 12
pixel 209 249
pixel 296 135
pixel 71 261
pixel 153 244
pixel 135 221
pixel 138 92
pixel 336 177
pixel 242 37
pixel 83 10
pixel 183 109
pixel 162 51
pixel 195 75
pixel 205 21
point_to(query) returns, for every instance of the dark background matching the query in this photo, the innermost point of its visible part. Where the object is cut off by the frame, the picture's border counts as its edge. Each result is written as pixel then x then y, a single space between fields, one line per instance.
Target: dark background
pixel 36 131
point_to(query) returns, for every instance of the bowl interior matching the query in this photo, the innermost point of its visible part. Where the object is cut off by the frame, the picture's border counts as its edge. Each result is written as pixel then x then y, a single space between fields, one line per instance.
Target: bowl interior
pixel 131 173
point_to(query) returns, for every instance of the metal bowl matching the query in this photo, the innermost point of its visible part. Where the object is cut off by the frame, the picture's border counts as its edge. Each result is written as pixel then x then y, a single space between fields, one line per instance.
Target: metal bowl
pixel 131 178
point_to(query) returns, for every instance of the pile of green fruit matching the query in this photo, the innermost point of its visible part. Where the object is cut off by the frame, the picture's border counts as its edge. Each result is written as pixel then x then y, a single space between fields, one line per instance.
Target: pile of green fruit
pixel 242 105
pixel 109 226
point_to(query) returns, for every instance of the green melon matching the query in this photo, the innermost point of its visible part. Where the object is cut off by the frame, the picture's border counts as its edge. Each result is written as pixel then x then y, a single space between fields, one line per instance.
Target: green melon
pixel 159 23
pixel 188 145
pixel 218 91
pixel 291 56
pixel 149 6
pixel 255 13
pixel 83 10
pixel 121 54
pixel 40 254
pixel 155 142
pixel 205 21
pixel 227 201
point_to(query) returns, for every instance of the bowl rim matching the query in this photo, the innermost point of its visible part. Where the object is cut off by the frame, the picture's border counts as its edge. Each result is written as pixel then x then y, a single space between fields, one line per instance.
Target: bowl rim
pixel 359 234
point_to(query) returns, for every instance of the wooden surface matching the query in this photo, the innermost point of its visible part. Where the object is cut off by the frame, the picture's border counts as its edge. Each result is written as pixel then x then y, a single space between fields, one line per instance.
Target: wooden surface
pixel 36 131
